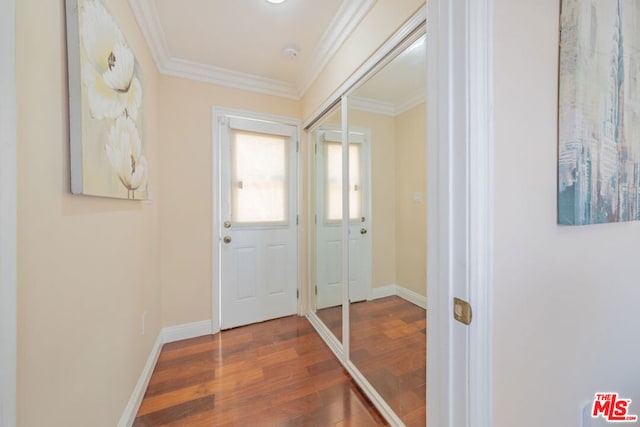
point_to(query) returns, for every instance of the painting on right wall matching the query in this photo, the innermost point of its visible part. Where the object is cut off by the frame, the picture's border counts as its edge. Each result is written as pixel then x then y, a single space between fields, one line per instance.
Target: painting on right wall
pixel 599 112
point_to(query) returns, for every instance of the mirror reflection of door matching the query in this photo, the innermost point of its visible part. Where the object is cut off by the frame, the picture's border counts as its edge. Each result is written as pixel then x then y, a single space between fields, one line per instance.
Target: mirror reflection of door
pixel 329 219
pixel 388 330
pixel 326 236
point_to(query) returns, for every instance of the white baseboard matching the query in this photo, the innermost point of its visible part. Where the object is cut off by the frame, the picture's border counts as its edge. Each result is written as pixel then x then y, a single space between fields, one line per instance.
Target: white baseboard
pixel 129 415
pixel 383 292
pixel 166 335
pixel 402 292
pixel 186 331
pixel 411 296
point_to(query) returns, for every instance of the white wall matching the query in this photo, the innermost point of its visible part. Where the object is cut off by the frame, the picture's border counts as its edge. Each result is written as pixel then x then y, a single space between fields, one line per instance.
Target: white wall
pixel 566 319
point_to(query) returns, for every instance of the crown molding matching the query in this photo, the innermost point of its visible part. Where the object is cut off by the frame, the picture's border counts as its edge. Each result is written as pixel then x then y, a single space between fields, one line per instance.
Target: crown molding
pixel 229 78
pixel 387 108
pixel 372 106
pixel 347 18
pixel 146 14
pixel 418 98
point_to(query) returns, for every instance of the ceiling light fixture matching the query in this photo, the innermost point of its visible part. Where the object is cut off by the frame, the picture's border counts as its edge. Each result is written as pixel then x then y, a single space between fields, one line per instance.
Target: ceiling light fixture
pixel 276 1
pixel 291 51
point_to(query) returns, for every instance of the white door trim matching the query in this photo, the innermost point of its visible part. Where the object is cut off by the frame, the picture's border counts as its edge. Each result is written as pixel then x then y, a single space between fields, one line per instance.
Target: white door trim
pixel 217 114
pixel 481 182
pixel 460 149
pixel 8 208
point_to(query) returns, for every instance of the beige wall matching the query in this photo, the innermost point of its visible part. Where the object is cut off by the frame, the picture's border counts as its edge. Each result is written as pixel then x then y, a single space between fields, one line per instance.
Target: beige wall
pixel 566 320
pixel 411 217
pixel 398 169
pixel 186 181
pixel 87 267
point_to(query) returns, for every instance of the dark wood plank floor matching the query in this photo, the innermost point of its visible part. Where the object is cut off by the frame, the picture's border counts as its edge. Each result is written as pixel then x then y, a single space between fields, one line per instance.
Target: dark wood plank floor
pixel 388 345
pixel 332 319
pixel 276 373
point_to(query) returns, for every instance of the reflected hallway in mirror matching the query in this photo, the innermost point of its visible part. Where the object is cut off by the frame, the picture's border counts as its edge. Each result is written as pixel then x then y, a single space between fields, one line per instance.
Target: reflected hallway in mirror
pixel 387 328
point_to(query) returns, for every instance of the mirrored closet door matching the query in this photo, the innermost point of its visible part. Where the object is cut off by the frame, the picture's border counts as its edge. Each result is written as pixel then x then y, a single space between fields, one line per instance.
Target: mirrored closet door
pixel 326 231
pixel 388 326
pixel 368 240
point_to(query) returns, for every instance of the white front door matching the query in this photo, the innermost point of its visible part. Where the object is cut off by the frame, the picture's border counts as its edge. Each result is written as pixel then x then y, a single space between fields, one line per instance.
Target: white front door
pixel 329 218
pixel 258 221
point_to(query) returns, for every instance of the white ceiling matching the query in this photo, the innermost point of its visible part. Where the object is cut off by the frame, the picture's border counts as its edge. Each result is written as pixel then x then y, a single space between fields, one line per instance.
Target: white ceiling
pixel 239 43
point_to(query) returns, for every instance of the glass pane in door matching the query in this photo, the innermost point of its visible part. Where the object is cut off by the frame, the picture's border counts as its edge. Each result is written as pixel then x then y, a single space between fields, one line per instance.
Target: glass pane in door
pixel 333 184
pixel 259 181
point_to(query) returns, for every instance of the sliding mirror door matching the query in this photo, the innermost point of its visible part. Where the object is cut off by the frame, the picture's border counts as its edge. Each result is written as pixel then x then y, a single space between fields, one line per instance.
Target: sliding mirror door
pixel 387 248
pixel 326 246
pixel 368 239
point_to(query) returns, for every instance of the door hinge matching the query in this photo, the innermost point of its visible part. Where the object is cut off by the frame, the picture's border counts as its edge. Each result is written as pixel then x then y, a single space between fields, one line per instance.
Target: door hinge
pixel 316 290
pixel 297 219
pixel 297 293
pixel 315 219
pixel 462 311
pixel 315 148
pixel 297 146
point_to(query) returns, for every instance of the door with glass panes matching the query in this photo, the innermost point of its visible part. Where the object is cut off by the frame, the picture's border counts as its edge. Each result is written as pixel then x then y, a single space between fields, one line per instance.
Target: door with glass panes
pixel 329 218
pixel 258 227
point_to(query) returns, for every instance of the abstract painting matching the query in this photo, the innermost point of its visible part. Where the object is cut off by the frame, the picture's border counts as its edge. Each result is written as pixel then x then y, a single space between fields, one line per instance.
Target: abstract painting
pixel 105 106
pixel 599 112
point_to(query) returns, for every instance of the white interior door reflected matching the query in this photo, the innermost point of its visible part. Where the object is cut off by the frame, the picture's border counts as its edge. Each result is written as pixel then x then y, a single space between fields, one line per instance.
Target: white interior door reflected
pixel 329 218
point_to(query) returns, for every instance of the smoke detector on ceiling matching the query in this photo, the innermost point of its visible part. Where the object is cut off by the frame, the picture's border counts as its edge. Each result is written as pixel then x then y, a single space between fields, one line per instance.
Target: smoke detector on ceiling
pixel 291 51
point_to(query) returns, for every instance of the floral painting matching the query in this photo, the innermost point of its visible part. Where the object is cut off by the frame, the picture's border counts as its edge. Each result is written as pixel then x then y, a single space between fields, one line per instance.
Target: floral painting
pixel 105 106
pixel 599 112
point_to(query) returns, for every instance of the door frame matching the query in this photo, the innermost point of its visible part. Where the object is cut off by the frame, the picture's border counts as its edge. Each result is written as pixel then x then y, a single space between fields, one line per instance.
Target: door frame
pixel 217 114
pixel 8 210
pixel 460 228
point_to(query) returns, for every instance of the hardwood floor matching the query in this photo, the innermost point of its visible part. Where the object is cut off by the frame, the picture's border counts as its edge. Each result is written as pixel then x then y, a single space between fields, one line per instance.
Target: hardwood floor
pixel 276 373
pixel 388 345
pixel 332 318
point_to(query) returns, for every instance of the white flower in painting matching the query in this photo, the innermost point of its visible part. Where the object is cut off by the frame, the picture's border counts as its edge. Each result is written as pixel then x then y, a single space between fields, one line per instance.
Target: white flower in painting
pixel 109 71
pixel 105 46
pixel 105 103
pixel 121 64
pixel 124 151
pixel 132 99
